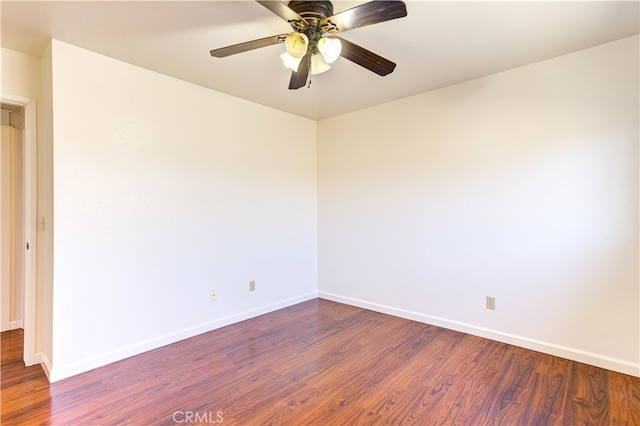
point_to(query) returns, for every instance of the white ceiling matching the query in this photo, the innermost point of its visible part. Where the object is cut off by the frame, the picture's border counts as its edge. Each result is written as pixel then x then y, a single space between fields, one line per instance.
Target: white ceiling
pixel 438 44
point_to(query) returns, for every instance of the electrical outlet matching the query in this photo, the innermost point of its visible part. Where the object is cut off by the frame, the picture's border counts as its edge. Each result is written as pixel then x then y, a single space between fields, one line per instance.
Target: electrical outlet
pixel 252 285
pixel 491 303
pixel 212 295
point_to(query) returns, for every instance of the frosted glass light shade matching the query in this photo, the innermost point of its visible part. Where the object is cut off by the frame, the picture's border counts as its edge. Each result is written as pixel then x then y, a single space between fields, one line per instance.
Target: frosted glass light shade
pixel 318 64
pixel 296 44
pixel 330 49
pixel 290 62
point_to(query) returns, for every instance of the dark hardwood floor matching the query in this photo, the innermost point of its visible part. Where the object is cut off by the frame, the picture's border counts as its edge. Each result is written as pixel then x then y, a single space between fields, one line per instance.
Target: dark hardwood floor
pixel 323 363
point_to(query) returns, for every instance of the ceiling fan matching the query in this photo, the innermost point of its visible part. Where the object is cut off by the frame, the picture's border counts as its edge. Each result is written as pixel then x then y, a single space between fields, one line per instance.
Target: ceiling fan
pixel 312 45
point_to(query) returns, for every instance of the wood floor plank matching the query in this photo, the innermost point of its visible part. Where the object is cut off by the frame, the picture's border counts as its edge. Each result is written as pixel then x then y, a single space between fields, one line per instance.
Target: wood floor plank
pixel 323 363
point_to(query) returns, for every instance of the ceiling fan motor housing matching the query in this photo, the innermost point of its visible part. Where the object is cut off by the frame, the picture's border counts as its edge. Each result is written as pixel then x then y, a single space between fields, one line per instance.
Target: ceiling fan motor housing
pixel 317 10
pixel 313 12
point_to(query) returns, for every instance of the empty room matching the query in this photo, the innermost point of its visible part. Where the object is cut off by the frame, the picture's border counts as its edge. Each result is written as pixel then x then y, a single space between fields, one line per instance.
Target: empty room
pixel 320 213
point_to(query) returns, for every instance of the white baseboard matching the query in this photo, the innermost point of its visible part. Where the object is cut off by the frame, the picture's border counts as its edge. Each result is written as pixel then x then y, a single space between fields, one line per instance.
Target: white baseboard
pixel 45 362
pixel 58 373
pixel 14 325
pixel 598 360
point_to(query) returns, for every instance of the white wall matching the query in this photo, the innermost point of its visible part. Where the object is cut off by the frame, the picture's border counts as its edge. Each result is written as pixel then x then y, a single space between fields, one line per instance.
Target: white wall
pixel 20 74
pixel 162 191
pixel 521 185
pixel 44 276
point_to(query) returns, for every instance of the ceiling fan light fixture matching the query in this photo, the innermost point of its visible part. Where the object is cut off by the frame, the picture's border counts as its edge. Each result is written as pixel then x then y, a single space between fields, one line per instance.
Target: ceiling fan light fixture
pixel 290 62
pixel 318 64
pixel 312 45
pixel 330 49
pixel 296 44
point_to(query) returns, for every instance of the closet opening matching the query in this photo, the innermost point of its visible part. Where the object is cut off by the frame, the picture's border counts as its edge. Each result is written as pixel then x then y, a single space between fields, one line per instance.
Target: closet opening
pixel 18 221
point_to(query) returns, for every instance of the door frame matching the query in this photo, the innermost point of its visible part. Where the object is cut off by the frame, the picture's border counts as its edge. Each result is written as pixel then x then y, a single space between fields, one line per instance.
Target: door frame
pixel 30 221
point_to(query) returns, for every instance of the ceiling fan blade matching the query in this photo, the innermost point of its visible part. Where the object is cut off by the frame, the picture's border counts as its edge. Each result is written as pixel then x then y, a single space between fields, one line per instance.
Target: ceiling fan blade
pixel 248 45
pixel 365 14
pixel 299 78
pixel 286 13
pixel 366 58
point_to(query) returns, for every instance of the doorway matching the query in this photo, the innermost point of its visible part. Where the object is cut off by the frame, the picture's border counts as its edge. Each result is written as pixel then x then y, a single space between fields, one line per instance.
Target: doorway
pixel 12 217
pixel 18 220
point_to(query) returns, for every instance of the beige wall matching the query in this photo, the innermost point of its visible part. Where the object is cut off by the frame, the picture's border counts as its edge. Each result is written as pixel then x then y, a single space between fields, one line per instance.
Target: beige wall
pixel 522 185
pixel 163 191
pixel 20 74
pixel 45 219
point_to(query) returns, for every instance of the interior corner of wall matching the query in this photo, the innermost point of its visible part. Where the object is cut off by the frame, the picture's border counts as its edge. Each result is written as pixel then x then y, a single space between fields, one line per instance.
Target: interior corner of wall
pixel 45 362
